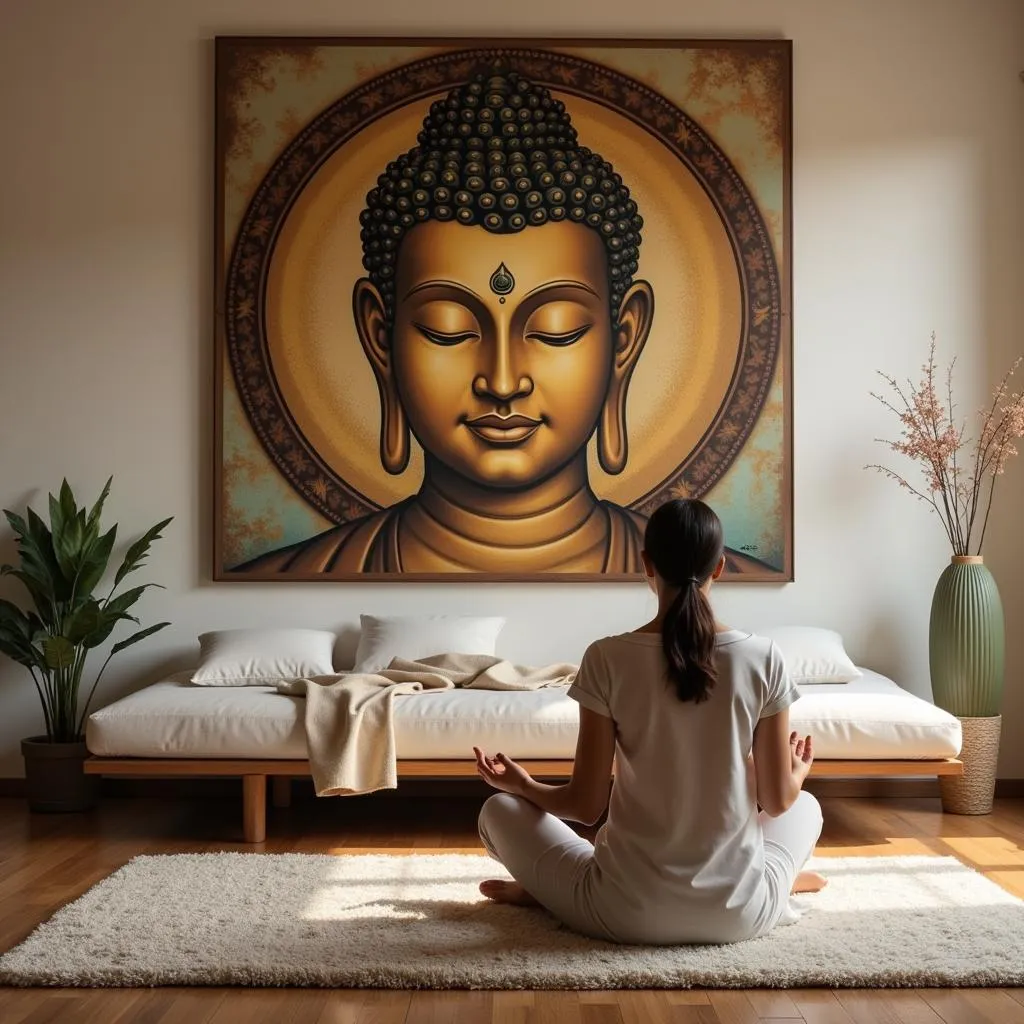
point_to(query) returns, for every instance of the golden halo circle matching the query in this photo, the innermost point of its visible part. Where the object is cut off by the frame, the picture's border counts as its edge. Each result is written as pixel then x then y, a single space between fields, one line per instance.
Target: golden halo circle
pixel 679 385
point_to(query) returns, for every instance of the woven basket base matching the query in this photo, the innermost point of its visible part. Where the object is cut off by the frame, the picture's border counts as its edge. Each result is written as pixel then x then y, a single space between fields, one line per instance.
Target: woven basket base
pixel 972 792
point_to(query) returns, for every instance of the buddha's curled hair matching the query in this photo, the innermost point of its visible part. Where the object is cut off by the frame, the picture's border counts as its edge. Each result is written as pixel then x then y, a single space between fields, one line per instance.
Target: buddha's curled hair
pixel 500 152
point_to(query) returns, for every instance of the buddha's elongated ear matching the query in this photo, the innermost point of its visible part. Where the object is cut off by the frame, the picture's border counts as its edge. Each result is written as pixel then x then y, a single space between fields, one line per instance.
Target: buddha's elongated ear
pixel 372 326
pixel 636 313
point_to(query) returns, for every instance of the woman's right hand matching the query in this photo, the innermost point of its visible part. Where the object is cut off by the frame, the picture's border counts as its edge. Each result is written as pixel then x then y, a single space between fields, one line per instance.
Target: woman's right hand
pixel 801 751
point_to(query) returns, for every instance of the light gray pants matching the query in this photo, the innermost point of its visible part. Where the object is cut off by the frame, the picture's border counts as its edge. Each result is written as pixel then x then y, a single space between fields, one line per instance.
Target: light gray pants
pixel 552 863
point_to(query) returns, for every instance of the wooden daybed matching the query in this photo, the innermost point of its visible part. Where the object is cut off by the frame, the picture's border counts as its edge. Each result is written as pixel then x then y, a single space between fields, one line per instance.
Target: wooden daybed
pixel 254 775
pixel 866 728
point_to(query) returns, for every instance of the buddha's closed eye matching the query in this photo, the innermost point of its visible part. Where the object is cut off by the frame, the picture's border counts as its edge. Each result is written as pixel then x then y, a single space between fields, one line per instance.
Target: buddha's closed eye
pixel 562 339
pixel 446 337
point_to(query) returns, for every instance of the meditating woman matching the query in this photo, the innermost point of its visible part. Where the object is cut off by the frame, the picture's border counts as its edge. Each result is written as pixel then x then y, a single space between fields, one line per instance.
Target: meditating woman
pixel 695 715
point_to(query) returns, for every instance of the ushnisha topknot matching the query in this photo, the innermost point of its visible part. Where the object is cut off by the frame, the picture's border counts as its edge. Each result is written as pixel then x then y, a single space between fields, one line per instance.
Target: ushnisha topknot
pixel 502 153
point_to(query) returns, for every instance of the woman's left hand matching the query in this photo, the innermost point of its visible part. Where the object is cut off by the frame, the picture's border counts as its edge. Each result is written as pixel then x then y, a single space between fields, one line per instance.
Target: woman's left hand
pixel 502 772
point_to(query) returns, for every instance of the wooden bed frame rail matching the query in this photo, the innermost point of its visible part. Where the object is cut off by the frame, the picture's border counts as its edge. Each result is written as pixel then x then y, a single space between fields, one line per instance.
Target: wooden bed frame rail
pixel 254 774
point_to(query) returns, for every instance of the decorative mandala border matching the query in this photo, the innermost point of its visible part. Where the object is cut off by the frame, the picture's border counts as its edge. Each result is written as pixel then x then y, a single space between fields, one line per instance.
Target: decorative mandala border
pixel 245 315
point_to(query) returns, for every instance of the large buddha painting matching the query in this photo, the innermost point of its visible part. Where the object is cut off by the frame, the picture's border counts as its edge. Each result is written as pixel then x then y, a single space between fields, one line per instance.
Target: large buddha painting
pixel 482 306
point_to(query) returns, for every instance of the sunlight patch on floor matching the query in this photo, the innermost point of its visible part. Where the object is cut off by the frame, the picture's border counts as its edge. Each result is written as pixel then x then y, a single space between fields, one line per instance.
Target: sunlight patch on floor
pixel 328 905
pixel 935 885
pixel 986 851
pixel 879 848
pixel 1011 881
pixel 384 851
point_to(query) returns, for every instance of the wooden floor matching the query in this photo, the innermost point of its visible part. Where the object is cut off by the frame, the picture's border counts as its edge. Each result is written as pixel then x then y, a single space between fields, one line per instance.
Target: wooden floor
pixel 46 861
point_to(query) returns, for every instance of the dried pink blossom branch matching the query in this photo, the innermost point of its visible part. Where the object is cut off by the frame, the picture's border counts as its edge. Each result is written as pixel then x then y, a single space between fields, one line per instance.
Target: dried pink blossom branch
pixel 913 490
pixel 931 437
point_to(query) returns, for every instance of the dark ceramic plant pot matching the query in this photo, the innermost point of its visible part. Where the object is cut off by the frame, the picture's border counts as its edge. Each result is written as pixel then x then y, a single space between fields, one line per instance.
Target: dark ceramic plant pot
pixel 54 778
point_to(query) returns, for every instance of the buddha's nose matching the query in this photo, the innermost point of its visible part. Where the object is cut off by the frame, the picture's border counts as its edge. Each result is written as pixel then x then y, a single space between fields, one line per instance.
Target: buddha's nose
pixel 502 381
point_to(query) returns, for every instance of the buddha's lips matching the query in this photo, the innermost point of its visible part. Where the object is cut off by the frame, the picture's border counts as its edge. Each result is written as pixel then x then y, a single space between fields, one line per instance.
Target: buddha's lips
pixel 497 429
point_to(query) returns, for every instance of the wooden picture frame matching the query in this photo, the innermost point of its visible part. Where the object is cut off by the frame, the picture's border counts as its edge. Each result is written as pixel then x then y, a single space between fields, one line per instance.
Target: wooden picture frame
pixel 331 395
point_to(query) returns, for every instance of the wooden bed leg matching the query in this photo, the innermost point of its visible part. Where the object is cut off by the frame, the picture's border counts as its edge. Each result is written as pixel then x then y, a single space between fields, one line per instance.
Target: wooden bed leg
pixel 254 808
pixel 281 790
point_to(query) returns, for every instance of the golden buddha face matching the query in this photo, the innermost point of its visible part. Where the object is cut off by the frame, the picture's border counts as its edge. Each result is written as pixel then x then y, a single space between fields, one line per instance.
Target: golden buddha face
pixel 503 356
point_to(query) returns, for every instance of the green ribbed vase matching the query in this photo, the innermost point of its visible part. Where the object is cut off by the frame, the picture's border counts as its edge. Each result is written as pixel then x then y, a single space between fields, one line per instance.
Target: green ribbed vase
pixel 966 640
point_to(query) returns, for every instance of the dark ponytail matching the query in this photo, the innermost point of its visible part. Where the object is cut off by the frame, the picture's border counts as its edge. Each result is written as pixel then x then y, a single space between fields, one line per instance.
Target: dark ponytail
pixel 684 541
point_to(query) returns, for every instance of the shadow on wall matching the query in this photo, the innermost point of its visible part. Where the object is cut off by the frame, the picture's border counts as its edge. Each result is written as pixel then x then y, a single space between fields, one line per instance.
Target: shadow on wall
pixel 884 650
pixel 345 648
pixel 997 244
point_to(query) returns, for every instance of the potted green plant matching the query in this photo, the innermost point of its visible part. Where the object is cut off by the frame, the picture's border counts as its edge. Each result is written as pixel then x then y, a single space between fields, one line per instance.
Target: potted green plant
pixel 62 566
pixel 966 633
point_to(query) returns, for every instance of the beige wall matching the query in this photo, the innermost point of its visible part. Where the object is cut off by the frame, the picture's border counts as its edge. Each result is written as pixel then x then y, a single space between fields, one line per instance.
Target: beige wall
pixel 908 218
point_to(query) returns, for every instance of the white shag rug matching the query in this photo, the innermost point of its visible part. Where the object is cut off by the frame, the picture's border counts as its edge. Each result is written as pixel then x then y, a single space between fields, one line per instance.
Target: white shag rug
pixel 417 921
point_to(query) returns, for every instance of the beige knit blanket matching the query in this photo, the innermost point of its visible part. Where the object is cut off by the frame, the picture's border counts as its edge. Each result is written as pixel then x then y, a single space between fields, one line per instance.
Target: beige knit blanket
pixel 350 729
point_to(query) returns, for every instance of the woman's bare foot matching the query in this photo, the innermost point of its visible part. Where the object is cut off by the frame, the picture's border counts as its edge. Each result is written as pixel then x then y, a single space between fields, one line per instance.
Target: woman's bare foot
pixel 502 891
pixel 809 881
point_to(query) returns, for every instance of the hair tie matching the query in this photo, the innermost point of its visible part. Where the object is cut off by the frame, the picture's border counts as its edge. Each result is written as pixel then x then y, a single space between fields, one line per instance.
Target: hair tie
pixel 695 579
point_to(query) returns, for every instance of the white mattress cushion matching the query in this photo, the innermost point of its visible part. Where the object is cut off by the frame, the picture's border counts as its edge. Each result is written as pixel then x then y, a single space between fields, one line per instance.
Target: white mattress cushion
pixel 871 718
pixel 874 719
pixel 174 719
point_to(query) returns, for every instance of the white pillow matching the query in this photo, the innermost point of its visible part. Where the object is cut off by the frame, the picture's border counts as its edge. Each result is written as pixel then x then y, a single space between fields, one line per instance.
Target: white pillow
pixel 263 657
pixel 413 637
pixel 813 655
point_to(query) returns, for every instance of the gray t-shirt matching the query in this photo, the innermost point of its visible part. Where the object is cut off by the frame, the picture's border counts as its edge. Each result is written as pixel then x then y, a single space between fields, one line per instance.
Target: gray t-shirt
pixel 682 841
